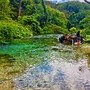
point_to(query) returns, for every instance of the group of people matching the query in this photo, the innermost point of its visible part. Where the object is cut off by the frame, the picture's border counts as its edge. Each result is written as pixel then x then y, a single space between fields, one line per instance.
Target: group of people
pixel 71 38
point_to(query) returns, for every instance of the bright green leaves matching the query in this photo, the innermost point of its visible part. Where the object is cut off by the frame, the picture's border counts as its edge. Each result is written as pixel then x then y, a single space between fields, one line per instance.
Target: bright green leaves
pixel 10 30
pixel 56 17
pixel 4 9
pixel 85 25
pixel 31 23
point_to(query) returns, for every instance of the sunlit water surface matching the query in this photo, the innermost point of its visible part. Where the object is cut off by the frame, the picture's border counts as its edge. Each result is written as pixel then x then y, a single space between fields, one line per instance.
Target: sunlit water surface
pixel 42 63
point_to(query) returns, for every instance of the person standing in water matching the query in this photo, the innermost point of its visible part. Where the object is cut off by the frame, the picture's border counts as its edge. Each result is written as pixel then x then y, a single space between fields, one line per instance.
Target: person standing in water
pixel 78 38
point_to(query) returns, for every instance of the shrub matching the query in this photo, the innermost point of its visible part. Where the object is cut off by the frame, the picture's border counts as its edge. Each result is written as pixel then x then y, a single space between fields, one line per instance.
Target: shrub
pixel 73 30
pixel 13 30
pixel 53 29
pixel 31 22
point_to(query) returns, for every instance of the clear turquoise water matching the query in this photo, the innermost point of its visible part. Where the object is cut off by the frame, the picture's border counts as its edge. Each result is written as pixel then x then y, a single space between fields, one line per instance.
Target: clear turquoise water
pixel 43 63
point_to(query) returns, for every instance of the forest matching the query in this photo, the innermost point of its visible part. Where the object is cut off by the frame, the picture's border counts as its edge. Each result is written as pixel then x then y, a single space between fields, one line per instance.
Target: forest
pixel 24 18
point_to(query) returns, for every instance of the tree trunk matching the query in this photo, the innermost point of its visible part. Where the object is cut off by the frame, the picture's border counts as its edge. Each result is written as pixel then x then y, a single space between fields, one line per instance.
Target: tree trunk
pixel 87 1
pixel 19 8
pixel 45 12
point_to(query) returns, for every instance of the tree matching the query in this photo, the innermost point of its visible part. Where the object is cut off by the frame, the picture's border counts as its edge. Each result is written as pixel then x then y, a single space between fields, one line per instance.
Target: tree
pixel 4 9
pixel 19 8
pixel 45 12
pixel 85 25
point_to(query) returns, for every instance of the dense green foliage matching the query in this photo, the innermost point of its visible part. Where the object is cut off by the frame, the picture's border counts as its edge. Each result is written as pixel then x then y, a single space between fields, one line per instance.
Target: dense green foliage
pixel 11 30
pixel 4 9
pixel 75 11
pixel 40 17
pixel 77 14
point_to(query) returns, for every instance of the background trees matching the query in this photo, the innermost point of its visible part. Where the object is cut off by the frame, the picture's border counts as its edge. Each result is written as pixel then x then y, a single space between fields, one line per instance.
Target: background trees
pixel 44 17
pixel 4 9
pixel 75 12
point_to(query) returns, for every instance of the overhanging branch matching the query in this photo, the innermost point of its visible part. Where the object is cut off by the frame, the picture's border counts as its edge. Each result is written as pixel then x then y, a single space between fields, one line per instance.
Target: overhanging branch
pixel 87 1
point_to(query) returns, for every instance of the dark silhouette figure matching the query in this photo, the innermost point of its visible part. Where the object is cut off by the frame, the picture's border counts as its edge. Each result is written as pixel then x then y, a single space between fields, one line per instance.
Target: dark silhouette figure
pixel 78 38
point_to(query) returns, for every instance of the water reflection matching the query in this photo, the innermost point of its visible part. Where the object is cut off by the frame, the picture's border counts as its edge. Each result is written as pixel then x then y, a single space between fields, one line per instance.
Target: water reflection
pixel 55 75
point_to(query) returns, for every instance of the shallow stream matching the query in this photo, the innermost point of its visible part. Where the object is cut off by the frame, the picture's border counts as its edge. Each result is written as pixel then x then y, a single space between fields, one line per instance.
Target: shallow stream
pixel 42 63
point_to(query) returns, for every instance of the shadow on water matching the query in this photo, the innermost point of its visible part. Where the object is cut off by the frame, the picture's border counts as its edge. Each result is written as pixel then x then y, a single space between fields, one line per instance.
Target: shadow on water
pixel 42 63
